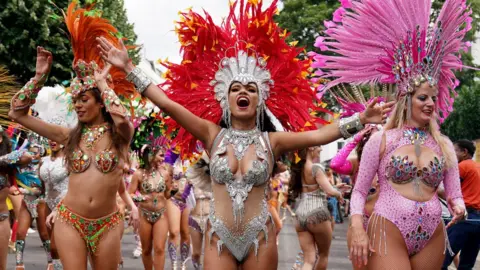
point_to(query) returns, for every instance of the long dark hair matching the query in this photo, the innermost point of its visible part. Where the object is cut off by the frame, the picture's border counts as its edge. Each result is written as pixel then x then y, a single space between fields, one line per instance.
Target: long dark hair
pixel 147 154
pixel 5 148
pixel 75 135
pixel 266 127
pixel 295 184
pixel 362 143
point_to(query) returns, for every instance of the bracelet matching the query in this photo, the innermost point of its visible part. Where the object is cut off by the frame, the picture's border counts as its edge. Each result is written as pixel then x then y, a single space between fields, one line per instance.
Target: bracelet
pixel 27 95
pixel 350 125
pixel 140 79
pixel 112 103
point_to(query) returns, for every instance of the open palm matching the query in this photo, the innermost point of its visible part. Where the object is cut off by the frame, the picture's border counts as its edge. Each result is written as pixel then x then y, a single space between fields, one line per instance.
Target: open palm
pixel 377 114
pixel 101 77
pixel 113 55
pixel 44 62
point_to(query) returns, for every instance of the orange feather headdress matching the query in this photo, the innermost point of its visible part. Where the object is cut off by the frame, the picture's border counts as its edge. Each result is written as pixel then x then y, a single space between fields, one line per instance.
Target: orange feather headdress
pixel 248 47
pixel 84 29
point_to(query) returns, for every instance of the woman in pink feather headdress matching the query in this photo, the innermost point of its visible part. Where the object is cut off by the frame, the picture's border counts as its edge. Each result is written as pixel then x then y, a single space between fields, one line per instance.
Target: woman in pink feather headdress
pixel 391 41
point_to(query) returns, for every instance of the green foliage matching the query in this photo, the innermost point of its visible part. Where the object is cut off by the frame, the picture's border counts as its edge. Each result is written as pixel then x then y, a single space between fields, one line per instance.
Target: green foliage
pixel 304 19
pixel 464 121
pixel 26 24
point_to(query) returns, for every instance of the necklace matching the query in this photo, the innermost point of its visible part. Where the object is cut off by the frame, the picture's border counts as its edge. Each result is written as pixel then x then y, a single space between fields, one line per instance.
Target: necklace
pixel 241 140
pixel 417 137
pixel 91 135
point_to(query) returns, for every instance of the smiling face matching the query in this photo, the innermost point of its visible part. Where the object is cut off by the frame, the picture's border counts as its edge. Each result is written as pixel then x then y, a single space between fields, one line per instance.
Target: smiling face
pixel 423 104
pixel 159 157
pixel 243 100
pixel 87 106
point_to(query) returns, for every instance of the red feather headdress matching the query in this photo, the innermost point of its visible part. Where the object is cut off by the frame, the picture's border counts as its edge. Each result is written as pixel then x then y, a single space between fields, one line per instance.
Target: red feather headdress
pixel 248 47
pixel 84 29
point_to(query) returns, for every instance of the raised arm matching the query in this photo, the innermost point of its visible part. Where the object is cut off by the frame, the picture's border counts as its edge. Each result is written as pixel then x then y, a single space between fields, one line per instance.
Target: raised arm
pixel 22 101
pixel 113 106
pixel 289 141
pixel 340 162
pixel 20 157
pixel 202 129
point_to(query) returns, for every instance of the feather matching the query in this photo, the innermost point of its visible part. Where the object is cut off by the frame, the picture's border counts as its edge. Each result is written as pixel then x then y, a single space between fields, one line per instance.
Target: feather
pixel 204 44
pixel 389 41
pixel 84 30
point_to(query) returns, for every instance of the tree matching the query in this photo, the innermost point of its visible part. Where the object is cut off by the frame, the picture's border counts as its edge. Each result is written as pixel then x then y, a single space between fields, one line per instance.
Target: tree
pixel 25 24
pixel 304 19
pixel 464 121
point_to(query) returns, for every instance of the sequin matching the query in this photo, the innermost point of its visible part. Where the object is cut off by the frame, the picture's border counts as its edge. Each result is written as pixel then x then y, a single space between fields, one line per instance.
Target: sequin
pixel 239 236
pixel 416 221
pixel 55 176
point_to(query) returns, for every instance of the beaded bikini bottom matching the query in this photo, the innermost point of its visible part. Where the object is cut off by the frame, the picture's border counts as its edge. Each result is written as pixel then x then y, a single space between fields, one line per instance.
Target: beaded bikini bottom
pixel 91 230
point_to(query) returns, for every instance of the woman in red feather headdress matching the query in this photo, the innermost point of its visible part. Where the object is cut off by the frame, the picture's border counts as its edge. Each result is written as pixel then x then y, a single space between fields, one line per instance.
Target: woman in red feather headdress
pixel 238 85
pixel 96 149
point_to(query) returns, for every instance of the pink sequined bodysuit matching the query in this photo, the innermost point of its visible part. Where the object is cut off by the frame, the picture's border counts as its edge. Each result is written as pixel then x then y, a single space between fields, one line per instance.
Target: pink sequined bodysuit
pixel 416 221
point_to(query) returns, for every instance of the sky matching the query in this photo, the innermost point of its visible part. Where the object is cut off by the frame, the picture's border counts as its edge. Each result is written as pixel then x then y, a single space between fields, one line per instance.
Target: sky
pixel 154 23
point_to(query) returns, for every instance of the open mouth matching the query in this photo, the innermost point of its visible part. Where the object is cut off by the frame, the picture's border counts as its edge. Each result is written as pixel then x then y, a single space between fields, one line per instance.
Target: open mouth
pixel 53 144
pixel 80 114
pixel 243 102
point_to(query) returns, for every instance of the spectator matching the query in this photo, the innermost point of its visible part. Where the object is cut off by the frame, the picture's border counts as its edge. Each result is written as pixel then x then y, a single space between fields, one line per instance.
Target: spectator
pixel 465 236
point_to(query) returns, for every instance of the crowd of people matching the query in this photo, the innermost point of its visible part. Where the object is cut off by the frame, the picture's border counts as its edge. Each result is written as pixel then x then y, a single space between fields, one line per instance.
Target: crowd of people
pixel 241 145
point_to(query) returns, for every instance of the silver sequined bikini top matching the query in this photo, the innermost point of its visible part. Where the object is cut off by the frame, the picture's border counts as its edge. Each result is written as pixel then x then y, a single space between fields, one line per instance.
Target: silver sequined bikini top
pixel 259 173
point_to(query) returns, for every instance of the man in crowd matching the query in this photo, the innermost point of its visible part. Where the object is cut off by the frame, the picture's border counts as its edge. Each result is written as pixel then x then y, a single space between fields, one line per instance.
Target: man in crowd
pixel 465 235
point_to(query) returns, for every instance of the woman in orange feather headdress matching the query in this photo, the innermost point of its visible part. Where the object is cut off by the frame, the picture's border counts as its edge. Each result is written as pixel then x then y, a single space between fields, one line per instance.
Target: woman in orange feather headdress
pixel 238 85
pixel 95 150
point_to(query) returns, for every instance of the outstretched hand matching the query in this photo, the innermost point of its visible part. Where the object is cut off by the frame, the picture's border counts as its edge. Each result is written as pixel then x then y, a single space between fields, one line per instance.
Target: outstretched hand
pixel 101 77
pixel 118 57
pixel 44 63
pixel 376 113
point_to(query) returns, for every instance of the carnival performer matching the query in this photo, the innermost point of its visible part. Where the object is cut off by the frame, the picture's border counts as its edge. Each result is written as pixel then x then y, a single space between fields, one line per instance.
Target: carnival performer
pixel 178 216
pixel 219 95
pixel 7 159
pixel 274 189
pixel 33 205
pixel 96 148
pixel 284 178
pixel 153 180
pixel 52 107
pixel 199 175
pixel 410 157
pixel 353 100
pixel 313 217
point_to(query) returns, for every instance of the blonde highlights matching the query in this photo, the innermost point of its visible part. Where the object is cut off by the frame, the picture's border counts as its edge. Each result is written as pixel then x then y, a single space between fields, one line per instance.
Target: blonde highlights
pixel 398 119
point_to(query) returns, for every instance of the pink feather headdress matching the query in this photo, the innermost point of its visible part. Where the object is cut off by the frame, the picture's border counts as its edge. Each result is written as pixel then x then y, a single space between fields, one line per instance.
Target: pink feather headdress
pixel 389 41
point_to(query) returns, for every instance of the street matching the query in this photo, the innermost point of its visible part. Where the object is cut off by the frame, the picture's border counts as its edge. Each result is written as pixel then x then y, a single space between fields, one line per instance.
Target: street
pixel 288 249
pixel 35 256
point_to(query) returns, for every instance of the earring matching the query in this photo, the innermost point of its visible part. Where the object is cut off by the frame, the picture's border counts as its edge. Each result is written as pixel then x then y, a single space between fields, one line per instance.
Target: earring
pixel 61 146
